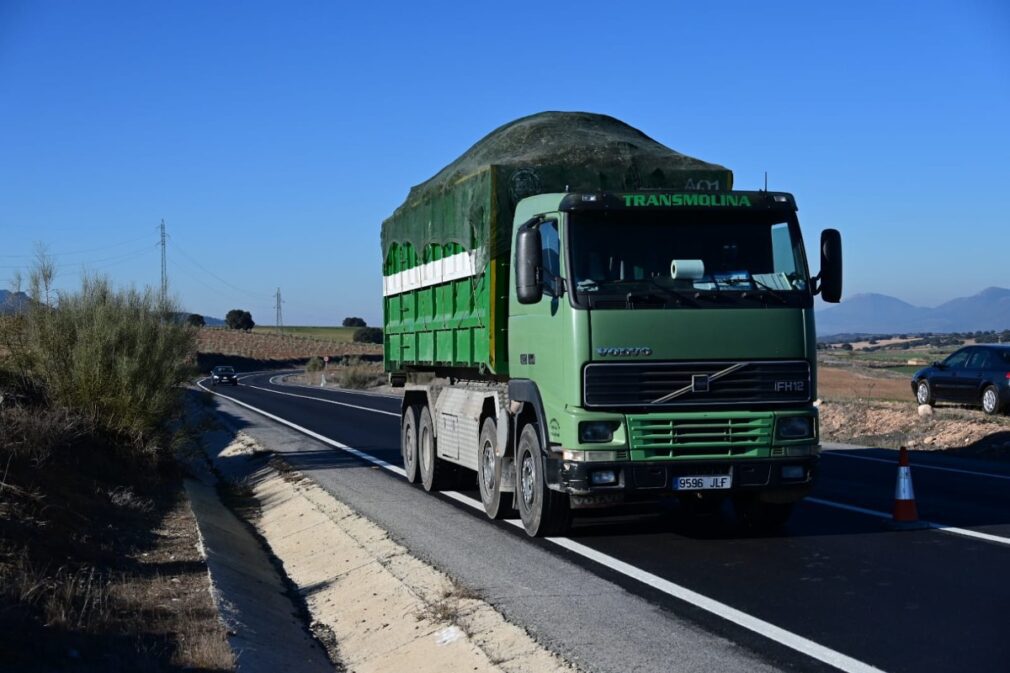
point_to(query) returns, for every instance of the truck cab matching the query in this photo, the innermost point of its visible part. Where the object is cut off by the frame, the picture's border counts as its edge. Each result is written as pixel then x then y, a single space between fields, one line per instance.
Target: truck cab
pixel 663 344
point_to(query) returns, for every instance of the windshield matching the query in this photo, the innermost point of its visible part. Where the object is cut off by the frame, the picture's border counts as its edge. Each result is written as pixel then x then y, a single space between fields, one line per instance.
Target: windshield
pixel 673 257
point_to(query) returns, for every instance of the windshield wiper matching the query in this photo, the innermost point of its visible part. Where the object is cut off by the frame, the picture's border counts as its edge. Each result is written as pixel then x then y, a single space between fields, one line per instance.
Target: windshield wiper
pixel 676 294
pixel 757 284
pixel 770 290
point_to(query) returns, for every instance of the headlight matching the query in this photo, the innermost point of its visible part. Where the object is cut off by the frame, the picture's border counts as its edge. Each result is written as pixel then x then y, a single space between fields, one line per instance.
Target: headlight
pixel 794 427
pixel 597 431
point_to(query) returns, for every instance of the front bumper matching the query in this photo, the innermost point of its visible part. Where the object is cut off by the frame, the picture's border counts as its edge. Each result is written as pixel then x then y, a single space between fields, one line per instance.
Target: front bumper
pixel 652 480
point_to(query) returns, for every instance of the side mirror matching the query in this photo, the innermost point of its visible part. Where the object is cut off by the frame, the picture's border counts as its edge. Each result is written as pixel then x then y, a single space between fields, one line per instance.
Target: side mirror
pixel 830 276
pixel 529 266
pixel 937 364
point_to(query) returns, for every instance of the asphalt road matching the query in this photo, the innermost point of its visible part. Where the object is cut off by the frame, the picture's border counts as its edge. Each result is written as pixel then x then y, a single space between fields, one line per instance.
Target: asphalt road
pixel 837 589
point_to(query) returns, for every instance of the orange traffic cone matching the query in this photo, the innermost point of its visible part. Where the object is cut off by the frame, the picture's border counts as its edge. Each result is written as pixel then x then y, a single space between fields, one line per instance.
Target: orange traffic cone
pixel 905 515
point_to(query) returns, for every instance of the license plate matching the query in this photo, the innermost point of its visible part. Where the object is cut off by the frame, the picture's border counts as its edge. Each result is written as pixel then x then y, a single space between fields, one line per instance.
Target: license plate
pixel 708 482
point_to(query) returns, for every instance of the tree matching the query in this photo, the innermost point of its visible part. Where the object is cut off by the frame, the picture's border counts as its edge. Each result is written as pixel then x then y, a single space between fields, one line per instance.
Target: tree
pixel 368 335
pixel 354 322
pixel 196 320
pixel 239 319
pixel 846 347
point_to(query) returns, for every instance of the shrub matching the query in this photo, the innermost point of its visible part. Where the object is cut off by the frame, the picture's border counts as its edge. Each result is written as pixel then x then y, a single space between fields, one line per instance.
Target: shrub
pixel 239 319
pixel 354 322
pixel 196 320
pixel 368 335
pixel 114 359
pixel 314 364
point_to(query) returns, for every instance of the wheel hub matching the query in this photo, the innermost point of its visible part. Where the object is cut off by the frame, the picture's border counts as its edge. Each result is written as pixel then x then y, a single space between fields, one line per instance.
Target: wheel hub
pixel 989 400
pixel 487 466
pixel 526 481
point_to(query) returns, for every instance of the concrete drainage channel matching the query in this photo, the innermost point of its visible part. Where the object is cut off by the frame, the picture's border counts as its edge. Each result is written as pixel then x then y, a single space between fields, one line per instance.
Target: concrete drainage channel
pixel 377 607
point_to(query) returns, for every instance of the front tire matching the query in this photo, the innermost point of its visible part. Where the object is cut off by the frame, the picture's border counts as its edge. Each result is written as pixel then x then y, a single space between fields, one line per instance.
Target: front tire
pixel 408 443
pixel 924 392
pixel 436 474
pixel 497 505
pixel 990 400
pixel 544 512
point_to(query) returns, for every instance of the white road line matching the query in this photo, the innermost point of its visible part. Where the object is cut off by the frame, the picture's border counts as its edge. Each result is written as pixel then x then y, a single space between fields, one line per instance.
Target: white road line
pixel 730 614
pixel 834 453
pixel 314 435
pixel 326 401
pixel 943 528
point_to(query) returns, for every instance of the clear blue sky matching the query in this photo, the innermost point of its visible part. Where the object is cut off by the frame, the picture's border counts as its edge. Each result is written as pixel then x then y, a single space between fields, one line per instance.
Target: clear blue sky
pixel 273 138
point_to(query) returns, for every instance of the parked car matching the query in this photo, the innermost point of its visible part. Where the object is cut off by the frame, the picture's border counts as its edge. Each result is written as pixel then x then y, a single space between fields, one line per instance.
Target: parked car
pixel 977 375
pixel 223 374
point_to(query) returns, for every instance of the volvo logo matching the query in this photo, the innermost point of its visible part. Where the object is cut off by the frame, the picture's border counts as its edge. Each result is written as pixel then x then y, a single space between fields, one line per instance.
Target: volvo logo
pixel 611 351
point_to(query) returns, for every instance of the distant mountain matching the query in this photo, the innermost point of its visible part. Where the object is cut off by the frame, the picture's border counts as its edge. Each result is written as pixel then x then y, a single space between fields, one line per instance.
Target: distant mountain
pixel 881 314
pixel 12 302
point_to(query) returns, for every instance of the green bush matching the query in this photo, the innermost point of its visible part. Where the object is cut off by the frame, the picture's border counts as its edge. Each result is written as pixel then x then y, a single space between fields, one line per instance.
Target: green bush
pixel 369 335
pixel 315 364
pixel 114 358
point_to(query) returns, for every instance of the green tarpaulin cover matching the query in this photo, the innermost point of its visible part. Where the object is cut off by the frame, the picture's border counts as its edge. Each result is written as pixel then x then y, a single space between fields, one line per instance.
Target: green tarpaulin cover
pixel 470 202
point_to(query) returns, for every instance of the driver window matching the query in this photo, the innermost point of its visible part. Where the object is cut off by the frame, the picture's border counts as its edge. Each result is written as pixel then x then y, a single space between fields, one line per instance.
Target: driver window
pixel 550 244
pixel 958 359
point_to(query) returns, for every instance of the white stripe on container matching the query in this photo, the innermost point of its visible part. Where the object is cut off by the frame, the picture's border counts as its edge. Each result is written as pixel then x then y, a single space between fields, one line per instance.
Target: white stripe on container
pixel 453 267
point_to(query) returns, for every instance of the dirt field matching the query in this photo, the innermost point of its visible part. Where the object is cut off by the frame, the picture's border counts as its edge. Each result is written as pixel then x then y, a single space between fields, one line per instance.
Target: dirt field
pixel 835 383
pixel 264 346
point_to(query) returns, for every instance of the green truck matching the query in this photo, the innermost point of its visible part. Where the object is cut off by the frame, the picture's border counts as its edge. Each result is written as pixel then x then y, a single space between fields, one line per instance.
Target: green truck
pixel 586 318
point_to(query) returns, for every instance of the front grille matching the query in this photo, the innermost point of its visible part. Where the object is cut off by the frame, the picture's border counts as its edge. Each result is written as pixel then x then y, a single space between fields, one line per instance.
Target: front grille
pixel 675 384
pixel 653 437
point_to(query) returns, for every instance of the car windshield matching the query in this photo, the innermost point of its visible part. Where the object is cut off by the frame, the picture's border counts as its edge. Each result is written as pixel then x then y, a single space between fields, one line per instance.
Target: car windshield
pixel 725 252
pixel 225 370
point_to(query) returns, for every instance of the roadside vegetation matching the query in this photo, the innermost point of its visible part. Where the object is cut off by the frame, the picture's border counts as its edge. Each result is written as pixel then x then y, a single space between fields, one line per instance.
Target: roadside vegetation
pixel 99 563
pixel 866 396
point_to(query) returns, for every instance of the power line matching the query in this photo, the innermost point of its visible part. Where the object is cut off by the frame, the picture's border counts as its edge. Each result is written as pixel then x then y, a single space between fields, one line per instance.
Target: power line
pixel 29 255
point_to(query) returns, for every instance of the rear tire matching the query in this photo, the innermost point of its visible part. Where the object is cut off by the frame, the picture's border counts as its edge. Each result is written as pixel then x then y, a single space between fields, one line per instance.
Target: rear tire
pixel 544 512
pixel 990 400
pixel 436 474
pixel 408 443
pixel 497 505
pixel 924 392
pixel 762 517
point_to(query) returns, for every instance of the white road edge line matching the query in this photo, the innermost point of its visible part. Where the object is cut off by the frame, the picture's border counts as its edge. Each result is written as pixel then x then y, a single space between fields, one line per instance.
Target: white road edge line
pixel 943 528
pixel 730 614
pixel 834 453
pixel 320 399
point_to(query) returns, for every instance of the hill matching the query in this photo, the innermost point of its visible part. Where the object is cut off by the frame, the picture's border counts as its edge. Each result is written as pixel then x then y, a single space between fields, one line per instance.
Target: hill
pixel 881 314
pixel 12 302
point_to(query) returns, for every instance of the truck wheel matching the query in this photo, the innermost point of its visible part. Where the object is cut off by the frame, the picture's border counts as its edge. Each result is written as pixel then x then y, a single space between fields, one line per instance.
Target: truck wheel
pixel 543 511
pixel 408 442
pixel 496 504
pixel 924 392
pixel 762 517
pixel 436 474
pixel 990 400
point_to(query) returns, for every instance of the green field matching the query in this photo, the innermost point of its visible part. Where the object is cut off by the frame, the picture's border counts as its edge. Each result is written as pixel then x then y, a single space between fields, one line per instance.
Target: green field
pixel 338 334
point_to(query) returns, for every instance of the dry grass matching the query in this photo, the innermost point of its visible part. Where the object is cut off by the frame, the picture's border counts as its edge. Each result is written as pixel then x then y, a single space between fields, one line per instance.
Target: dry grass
pixel 848 384
pixel 100 567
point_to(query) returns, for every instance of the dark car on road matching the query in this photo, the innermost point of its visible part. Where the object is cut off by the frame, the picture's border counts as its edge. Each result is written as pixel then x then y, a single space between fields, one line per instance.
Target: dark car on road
pixel 223 375
pixel 978 375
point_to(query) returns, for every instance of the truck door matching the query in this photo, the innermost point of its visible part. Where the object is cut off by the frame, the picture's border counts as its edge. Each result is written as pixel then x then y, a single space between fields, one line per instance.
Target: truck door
pixel 536 331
